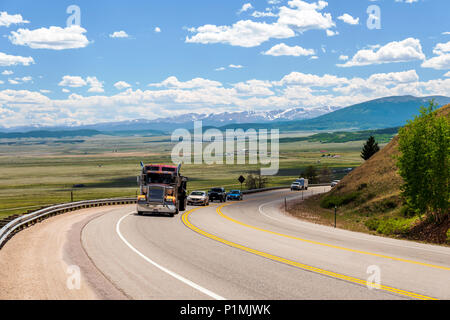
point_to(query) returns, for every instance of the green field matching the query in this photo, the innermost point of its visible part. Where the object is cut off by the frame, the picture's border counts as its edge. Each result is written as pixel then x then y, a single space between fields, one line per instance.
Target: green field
pixel 39 172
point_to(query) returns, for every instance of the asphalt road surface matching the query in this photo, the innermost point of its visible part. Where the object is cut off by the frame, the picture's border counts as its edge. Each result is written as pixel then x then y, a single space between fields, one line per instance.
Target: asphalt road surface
pixel 238 250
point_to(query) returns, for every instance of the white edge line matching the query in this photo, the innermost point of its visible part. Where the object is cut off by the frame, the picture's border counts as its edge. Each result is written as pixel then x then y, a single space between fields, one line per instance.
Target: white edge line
pixel 171 273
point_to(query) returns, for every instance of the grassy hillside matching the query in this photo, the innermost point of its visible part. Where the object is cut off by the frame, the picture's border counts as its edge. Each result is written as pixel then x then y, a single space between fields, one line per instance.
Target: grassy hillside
pixel 381 135
pixel 368 199
pixel 380 113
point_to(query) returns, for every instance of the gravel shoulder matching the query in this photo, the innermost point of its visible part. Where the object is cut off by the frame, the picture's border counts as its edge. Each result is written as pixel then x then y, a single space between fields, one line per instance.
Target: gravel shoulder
pixel 36 264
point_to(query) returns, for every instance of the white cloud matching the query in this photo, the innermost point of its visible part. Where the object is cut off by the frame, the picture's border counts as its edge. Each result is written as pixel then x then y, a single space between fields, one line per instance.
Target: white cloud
pixel 235 66
pixel 442 60
pixel 119 34
pixel 72 81
pixel 220 69
pixel 65 90
pixel 447 74
pixel 7 72
pixel 122 85
pixel 44 91
pixel 264 14
pixel 397 51
pixel 244 33
pixel 406 1
pixel 157 29
pixel 7 60
pixel 299 78
pixel 53 38
pixel 6 19
pixel 175 97
pixel 331 33
pixel 298 17
pixel 253 88
pixel 303 16
pixel 245 7
pixel 173 82
pixel 349 19
pixel 96 85
pixel 21 80
pixel 282 49
pixel 442 48
pixel 343 57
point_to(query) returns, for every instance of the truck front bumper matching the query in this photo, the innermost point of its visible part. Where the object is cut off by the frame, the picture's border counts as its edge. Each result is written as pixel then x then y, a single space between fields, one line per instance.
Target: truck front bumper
pixel 155 208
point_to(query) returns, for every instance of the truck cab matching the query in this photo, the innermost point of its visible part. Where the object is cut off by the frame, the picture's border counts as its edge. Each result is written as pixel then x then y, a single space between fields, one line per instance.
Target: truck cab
pixel 162 190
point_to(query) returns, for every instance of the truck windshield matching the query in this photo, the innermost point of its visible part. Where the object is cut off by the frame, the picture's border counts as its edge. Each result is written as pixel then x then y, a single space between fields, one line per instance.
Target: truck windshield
pixel 160 178
pixel 216 190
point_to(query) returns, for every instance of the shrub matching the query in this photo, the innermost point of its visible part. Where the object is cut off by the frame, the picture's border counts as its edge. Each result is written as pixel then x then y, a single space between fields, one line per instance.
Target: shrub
pixel 371 195
pixel 338 200
pixel 389 226
pixel 372 224
pixel 362 186
pixel 406 211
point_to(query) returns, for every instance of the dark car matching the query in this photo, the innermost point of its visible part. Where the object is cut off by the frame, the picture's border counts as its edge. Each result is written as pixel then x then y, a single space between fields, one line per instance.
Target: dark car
pixel 235 195
pixel 217 194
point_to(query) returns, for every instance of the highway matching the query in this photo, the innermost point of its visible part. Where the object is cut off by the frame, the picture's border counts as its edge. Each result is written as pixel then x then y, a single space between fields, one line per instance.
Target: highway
pixel 238 250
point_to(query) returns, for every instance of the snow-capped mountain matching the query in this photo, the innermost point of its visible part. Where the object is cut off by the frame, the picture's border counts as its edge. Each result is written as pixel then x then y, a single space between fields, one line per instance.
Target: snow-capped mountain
pixel 187 120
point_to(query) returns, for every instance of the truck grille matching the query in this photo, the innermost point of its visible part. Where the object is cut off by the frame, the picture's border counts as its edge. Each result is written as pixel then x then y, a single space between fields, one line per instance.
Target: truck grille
pixel 156 194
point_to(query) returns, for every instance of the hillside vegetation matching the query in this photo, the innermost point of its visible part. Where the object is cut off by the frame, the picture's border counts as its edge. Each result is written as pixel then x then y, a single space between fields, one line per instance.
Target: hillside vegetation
pixel 369 199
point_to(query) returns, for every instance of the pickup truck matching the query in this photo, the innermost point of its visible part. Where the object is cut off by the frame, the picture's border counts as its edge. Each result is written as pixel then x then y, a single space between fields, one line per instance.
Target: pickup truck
pixel 217 194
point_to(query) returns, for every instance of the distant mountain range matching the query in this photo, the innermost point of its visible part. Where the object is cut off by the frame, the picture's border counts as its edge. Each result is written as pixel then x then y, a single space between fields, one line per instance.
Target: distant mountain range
pixel 187 120
pixel 375 114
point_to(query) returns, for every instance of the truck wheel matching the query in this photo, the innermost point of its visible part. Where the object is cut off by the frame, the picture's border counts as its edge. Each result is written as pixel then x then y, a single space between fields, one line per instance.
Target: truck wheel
pixel 182 205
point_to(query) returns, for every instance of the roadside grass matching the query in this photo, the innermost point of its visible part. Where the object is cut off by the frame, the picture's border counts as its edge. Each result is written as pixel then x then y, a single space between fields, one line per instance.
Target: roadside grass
pixel 382 215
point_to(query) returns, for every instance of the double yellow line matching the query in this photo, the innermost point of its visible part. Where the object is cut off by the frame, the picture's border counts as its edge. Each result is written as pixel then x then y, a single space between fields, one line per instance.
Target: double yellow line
pixel 185 219
pixel 219 211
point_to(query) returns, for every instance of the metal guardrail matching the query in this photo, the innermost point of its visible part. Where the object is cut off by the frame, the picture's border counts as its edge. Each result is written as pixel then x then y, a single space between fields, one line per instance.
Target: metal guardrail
pixel 27 220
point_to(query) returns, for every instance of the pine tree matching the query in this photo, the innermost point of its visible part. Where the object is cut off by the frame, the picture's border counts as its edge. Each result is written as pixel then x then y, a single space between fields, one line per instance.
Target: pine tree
pixel 370 148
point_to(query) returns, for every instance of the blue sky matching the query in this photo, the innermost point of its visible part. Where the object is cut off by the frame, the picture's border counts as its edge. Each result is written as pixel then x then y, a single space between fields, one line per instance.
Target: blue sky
pixel 148 59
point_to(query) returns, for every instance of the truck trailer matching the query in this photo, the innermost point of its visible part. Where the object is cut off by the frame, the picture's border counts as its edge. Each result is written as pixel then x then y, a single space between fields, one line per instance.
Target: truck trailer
pixel 162 190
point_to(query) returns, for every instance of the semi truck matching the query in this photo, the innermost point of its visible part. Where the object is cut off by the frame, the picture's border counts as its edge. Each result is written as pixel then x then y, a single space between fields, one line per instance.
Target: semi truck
pixel 162 190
